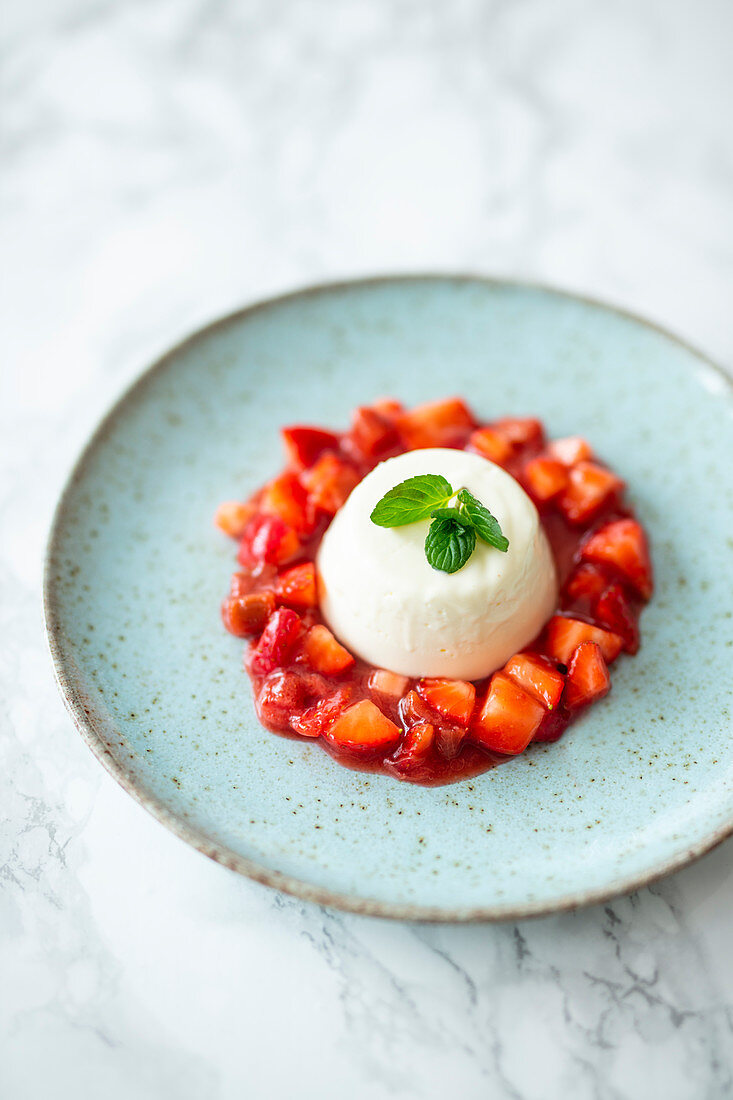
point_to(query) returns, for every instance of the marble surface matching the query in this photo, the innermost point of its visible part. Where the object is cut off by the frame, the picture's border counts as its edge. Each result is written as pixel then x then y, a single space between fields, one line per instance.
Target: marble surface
pixel 162 164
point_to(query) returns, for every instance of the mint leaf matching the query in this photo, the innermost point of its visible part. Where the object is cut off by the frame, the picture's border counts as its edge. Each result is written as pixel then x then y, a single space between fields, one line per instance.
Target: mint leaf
pixel 411 500
pixel 487 526
pixel 458 514
pixel 449 545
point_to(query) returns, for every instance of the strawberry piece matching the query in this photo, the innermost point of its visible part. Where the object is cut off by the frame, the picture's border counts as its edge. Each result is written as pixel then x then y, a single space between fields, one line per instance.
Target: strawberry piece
pixel 564 635
pixel 509 717
pixel 570 450
pixel 304 446
pixel 552 726
pixel 520 431
pixel 590 486
pixel 453 699
pixel 538 676
pixel 546 478
pixel 286 498
pixel 324 654
pixel 277 641
pixel 329 482
pixel 623 544
pixel 281 693
pixel 382 682
pixel 492 445
pixel 296 587
pixel 371 435
pixel 584 585
pixel 389 408
pixel 315 720
pixel 435 424
pixel 588 677
pixel 613 611
pixel 232 517
pixel 268 539
pixel 247 614
pixel 363 727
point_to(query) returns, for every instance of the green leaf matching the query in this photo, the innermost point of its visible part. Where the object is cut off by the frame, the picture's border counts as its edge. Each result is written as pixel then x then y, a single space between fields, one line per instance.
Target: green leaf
pixel 411 500
pixel 458 514
pixel 449 545
pixel 487 526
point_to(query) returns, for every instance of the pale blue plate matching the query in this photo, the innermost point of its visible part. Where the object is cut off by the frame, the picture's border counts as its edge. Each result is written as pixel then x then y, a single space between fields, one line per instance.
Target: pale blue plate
pixel 136 572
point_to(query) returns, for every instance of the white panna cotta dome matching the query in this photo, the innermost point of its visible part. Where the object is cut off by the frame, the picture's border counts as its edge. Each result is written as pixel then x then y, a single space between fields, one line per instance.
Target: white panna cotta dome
pixel 387 605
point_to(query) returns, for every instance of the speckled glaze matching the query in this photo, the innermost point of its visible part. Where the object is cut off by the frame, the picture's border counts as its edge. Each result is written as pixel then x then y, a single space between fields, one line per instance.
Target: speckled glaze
pixel 136 571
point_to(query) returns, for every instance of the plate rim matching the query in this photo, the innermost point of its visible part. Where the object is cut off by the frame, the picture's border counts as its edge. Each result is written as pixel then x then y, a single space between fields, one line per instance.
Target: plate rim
pixel 98 737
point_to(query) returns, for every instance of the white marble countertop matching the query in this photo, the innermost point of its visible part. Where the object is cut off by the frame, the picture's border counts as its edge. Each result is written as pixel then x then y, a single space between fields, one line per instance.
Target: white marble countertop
pixel 164 163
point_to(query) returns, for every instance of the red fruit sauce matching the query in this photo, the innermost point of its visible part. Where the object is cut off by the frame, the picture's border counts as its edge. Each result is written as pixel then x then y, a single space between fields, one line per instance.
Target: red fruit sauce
pixel 307 685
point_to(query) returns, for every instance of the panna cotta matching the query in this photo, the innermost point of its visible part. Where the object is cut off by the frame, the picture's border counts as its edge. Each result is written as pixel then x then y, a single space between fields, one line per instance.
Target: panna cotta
pixel 385 602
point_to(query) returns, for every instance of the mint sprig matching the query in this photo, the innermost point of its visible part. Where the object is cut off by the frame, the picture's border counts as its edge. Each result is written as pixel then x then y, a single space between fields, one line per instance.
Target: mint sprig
pixel 457 519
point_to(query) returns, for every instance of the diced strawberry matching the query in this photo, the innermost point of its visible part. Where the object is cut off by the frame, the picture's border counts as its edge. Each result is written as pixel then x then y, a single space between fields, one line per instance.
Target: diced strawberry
pixel 520 431
pixel 324 654
pixel 304 446
pixel 315 720
pixel 585 584
pixel 564 635
pixel 546 478
pixel 277 641
pixel 492 445
pixel 329 482
pixel 590 486
pixel 623 544
pixel 268 539
pixel 296 587
pixel 389 408
pixel 382 682
pixel 454 699
pixel 363 727
pixel 435 424
pixel 552 726
pixel 414 747
pixel 232 517
pixel 538 676
pixel 509 717
pixel 281 694
pixel 371 435
pixel 247 614
pixel 613 611
pixel 286 498
pixel 588 677
pixel 570 450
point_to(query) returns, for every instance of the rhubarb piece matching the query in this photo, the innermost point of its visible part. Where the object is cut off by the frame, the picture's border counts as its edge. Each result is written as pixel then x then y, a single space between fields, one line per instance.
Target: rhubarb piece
pixel 315 720
pixel 414 747
pixel 435 424
pixel 268 539
pixel 232 517
pixel 622 543
pixel 296 587
pixel 590 487
pixel 382 682
pixel 247 614
pixel 304 446
pixel 546 478
pixel 490 444
pixel 286 498
pixel 389 408
pixel 281 694
pixel 588 677
pixel 564 635
pixel 277 641
pixel 537 675
pixel 613 611
pixel 329 483
pixel 509 717
pixel 570 450
pixel 520 431
pixel 324 654
pixel 363 727
pixel 453 699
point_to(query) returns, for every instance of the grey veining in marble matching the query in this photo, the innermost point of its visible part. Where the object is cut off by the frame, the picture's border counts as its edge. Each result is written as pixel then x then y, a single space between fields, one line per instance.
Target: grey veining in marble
pixel 163 163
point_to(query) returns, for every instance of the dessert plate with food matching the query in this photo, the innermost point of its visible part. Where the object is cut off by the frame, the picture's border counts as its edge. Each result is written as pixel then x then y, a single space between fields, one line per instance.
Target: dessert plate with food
pixel 457 644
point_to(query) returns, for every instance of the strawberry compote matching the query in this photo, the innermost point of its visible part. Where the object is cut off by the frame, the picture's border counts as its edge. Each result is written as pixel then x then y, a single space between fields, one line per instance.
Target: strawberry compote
pixel 307 685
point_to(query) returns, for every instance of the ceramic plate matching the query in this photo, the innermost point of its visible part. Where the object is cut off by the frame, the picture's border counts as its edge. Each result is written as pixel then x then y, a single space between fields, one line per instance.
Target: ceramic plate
pixel 136 572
